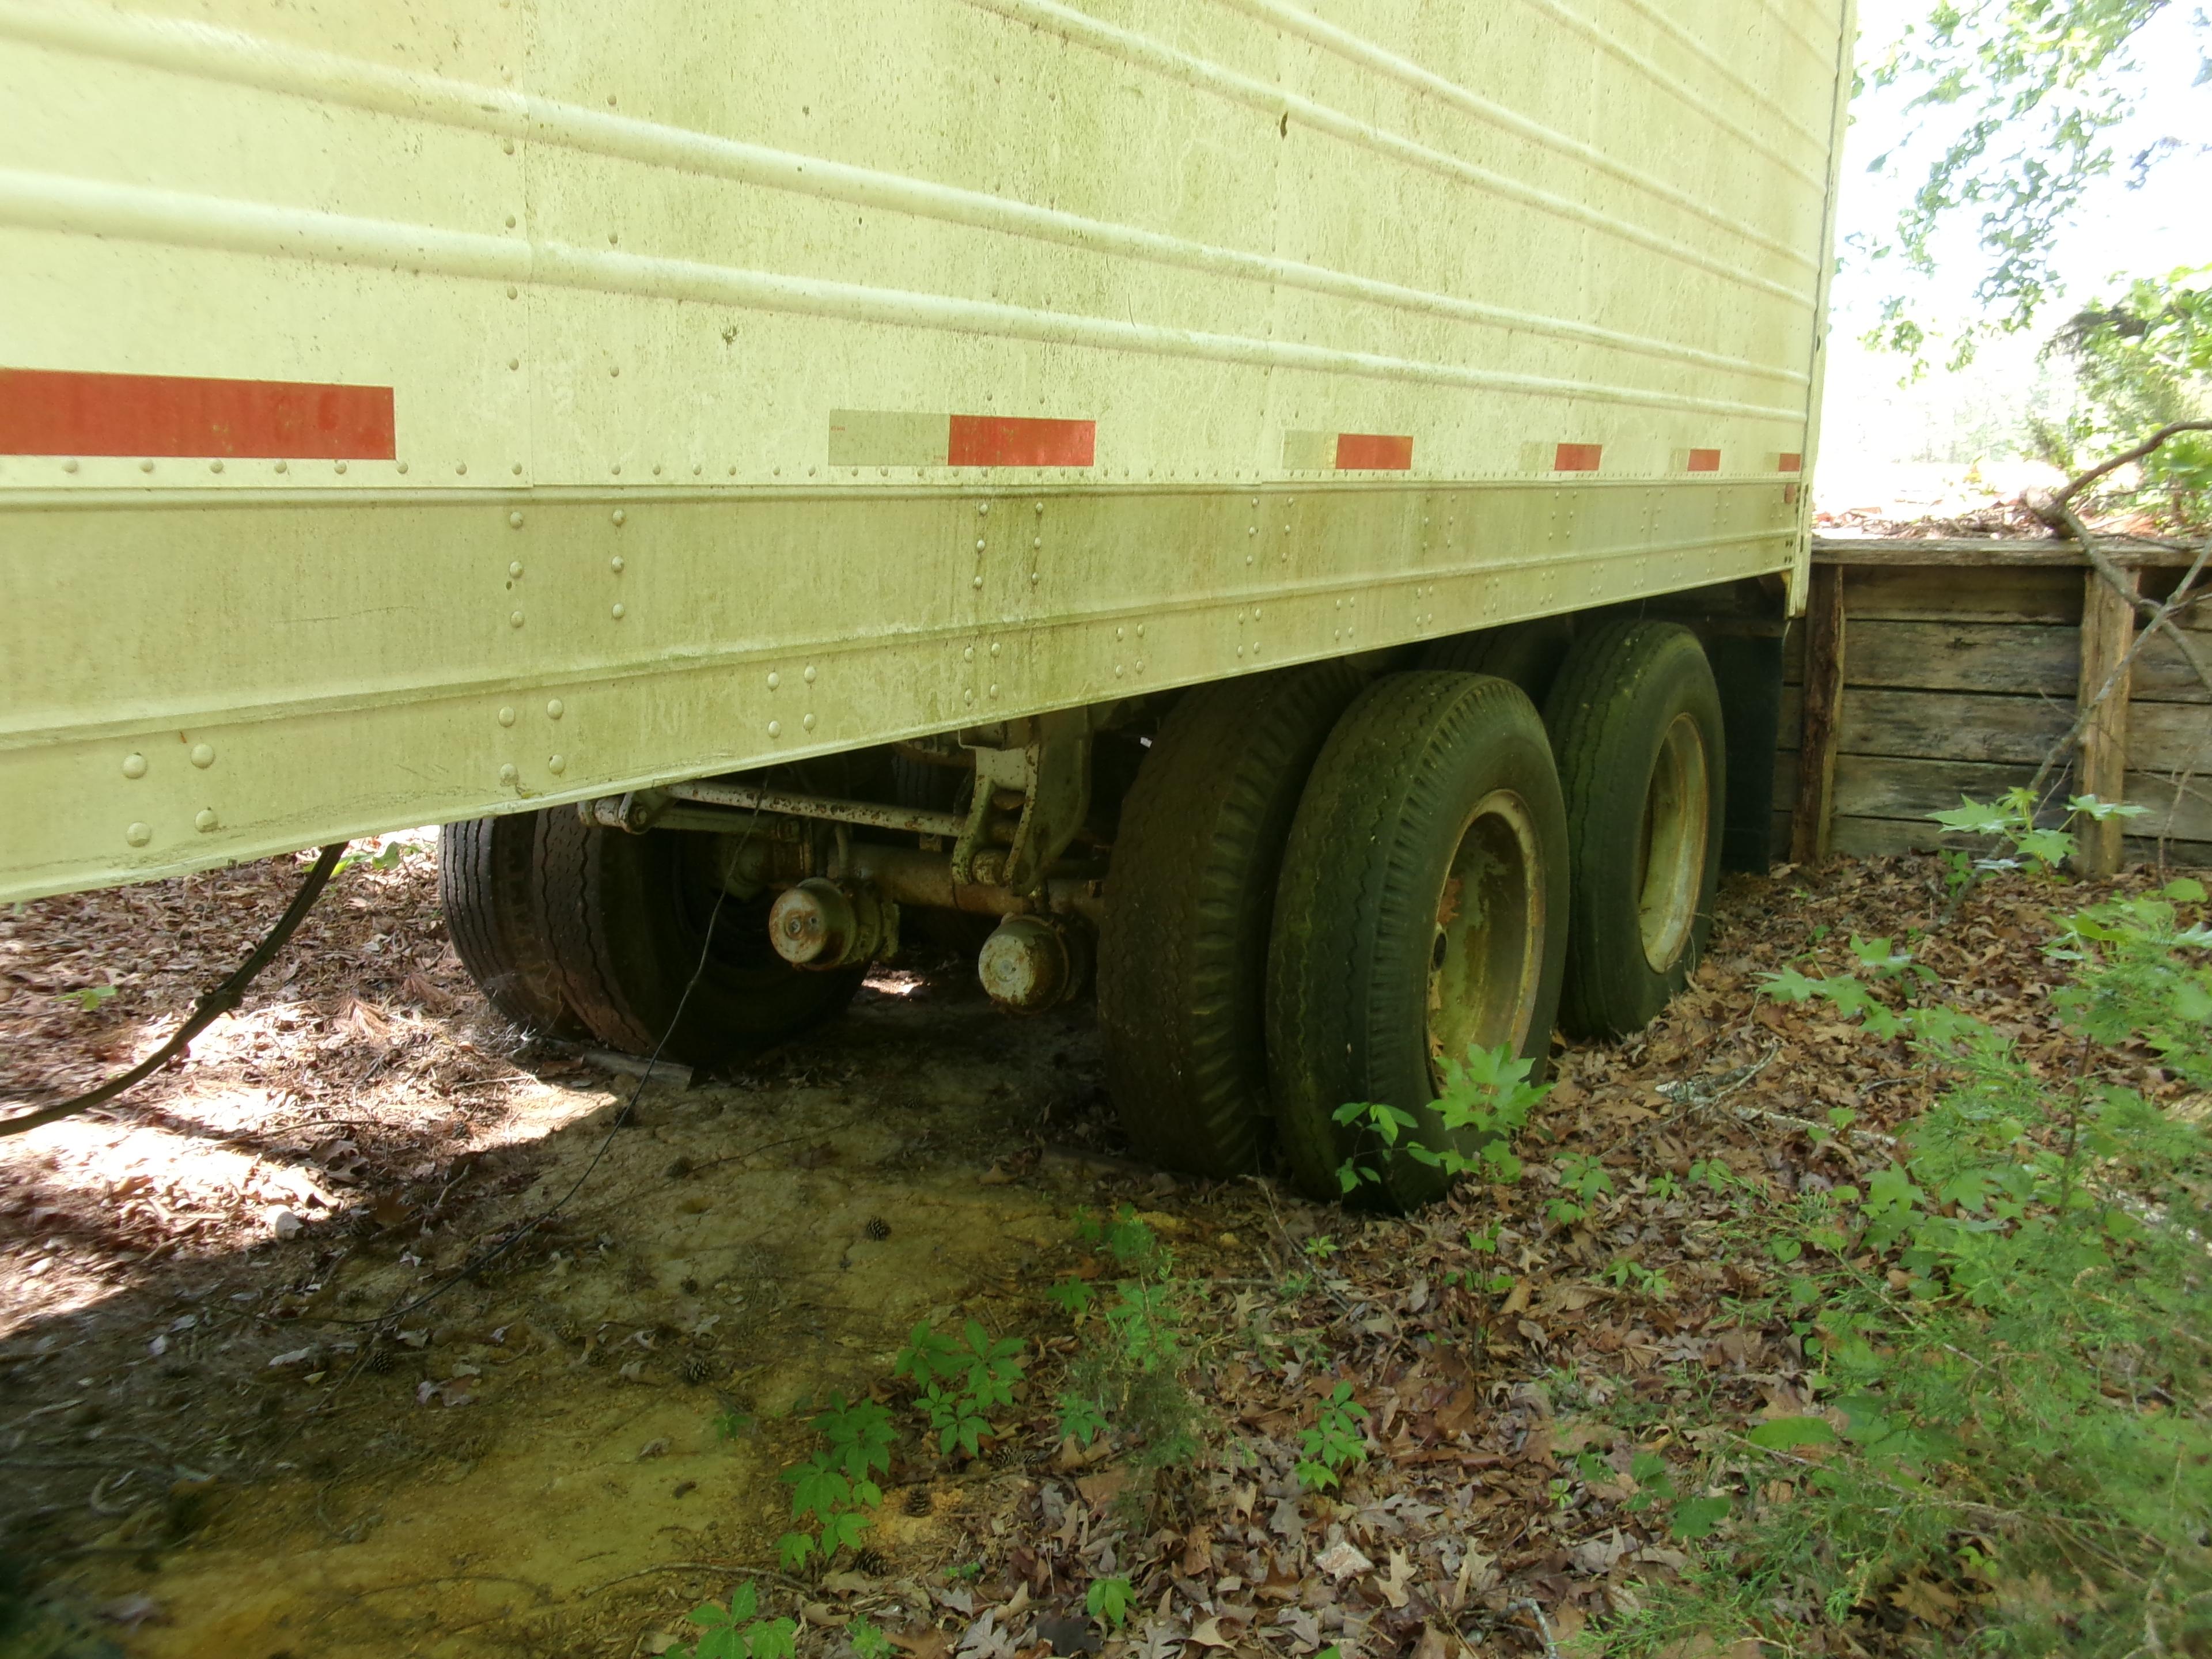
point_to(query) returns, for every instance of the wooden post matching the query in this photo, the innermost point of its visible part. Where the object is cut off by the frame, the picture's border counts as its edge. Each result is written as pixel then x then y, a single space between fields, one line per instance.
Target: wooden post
pixel 1810 823
pixel 2108 628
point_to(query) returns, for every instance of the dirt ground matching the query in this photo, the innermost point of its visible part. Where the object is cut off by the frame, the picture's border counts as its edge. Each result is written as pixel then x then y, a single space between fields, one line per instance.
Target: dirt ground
pixel 365 1330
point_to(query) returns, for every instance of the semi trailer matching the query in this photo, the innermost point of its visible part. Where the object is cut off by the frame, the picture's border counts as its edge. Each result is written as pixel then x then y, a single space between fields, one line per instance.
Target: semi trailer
pixel 1283 512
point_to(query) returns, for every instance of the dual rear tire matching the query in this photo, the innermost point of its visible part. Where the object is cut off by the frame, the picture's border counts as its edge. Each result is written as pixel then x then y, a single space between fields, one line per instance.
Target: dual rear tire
pixel 1318 898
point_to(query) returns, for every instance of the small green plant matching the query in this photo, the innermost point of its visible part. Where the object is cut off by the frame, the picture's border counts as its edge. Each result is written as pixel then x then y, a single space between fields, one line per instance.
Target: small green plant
pixel 1320 1246
pixel 832 1490
pixel 1128 1375
pixel 1583 1182
pixel 1629 1275
pixel 1335 1442
pixel 2022 844
pixel 88 998
pixel 735 1631
pixel 868 1641
pixel 960 1381
pixel 1485 1100
pixel 1109 1600
pixel 387 856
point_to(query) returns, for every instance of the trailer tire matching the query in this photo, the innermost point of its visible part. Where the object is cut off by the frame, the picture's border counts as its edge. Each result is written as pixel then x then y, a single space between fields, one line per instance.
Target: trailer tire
pixel 484 886
pixel 1182 955
pixel 627 920
pixel 1636 723
pixel 1528 654
pixel 1420 912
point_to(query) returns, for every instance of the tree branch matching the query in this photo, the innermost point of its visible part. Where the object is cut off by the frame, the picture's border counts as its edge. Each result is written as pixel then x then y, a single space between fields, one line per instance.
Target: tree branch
pixel 2141 450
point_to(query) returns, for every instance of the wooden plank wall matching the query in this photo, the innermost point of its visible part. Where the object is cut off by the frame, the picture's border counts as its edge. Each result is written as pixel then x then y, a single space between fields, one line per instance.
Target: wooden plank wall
pixel 1959 670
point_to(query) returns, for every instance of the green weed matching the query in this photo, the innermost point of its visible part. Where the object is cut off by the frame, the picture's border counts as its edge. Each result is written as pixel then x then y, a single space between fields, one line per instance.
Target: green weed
pixel 1128 1376
pixel 1109 1600
pixel 1486 1097
pixel 960 1381
pixel 1335 1442
pixel 735 1632
pixel 834 1488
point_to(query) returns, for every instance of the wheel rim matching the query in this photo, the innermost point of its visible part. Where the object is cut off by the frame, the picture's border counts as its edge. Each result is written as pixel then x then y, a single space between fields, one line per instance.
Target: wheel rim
pixel 1487 953
pixel 1671 852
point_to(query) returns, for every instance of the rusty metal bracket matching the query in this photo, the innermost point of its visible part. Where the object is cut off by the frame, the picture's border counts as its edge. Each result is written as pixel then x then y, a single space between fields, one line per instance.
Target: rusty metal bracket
pixel 1032 793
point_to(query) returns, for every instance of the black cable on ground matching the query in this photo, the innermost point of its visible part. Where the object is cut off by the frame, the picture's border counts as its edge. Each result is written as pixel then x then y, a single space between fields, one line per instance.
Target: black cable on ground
pixel 210 1008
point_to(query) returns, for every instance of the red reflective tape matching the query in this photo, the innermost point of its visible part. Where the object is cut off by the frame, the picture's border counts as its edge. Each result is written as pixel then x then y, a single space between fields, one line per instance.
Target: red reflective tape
pixel 1014 441
pixel 58 412
pixel 1786 462
pixel 1577 458
pixel 1375 452
pixel 1704 460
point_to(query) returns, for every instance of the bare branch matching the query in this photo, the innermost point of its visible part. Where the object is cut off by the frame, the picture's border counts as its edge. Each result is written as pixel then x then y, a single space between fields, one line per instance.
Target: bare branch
pixel 2076 486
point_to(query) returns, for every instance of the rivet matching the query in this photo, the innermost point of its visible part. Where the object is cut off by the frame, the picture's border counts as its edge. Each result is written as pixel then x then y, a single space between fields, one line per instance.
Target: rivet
pixel 1033 578
pixel 507 717
pixel 214 466
pixel 967 653
pixel 514 566
pixel 774 679
pixel 1117 669
pixel 283 466
pixel 460 468
pixel 621 517
pixel 776 729
pixel 1247 558
pixel 967 697
pixel 511 289
pixel 139 834
pixel 656 469
pixel 204 819
pixel 556 764
pixel 618 610
pixel 510 225
pixel 1240 650
pixel 514 362
pixel 982 507
pixel 1037 541
pixel 995 689
pixel 147 466
pixel 1040 509
pixel 555 708
pixel 337 467
pixel 507 774
pixel 507 145
pixel 809 673
pixel 615 564
pixel 995 650
pixel 1253 530
pixel 616 469
pixel 515 519
pixel 403 466
pixel 202 756
pixel 614 371
pixel 1140 631
pixel 69 465
pixel 516 469
pixel 514 619
pixel 695 469
pixel 979 544
pixel 975 582
pixel 134 766
pixel 808 722
pixel 1140 664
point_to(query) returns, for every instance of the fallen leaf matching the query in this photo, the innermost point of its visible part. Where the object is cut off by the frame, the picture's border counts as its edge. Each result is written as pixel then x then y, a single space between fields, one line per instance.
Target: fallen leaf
pixel 1340 1560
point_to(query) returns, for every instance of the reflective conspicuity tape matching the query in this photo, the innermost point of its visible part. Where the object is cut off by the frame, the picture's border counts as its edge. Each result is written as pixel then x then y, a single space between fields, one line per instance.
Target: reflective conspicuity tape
pixel 64 412
pixel 1577 458
pixel 1789 461
pixel 889 437
pixel 1702 460
pixel 1346 451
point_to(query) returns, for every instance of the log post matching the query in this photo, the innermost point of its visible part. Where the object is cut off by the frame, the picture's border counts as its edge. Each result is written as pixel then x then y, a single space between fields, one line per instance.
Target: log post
pixel 1813 817
pixel 2108 628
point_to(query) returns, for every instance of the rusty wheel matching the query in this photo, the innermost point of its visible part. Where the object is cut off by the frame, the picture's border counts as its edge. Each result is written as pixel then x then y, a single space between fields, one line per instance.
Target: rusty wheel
pixel 1420 911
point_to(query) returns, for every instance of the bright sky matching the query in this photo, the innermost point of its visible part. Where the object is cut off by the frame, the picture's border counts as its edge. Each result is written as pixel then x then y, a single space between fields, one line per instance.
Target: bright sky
pixel 2121 233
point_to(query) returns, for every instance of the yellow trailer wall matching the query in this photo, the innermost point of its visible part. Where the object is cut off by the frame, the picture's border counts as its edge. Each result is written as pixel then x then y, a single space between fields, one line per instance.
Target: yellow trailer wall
pixel 669 310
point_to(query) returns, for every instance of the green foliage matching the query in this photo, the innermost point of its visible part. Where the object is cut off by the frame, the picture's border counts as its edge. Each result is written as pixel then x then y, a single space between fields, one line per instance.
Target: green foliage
pixel 387 856
pixel 1335 1442
pixel 88 998
pixel 735 1632
pixel 868 1642
pixel 961 1381
pixel 1485 1098
pixel 2020 842
pixel 2140 362
pixel 1583 1182
pixel 1128 1377
pixel 2010 1338
pixel 2017 98
pixel 1109 1600
pixel 834 1488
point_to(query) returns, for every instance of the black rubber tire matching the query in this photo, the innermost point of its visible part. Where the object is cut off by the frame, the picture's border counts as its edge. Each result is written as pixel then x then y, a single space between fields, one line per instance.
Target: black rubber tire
pixel 1358 907
pixel 1528 654
pixel 483 886
pixel 1182 955
pixel 626 917
pixel 1621 691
